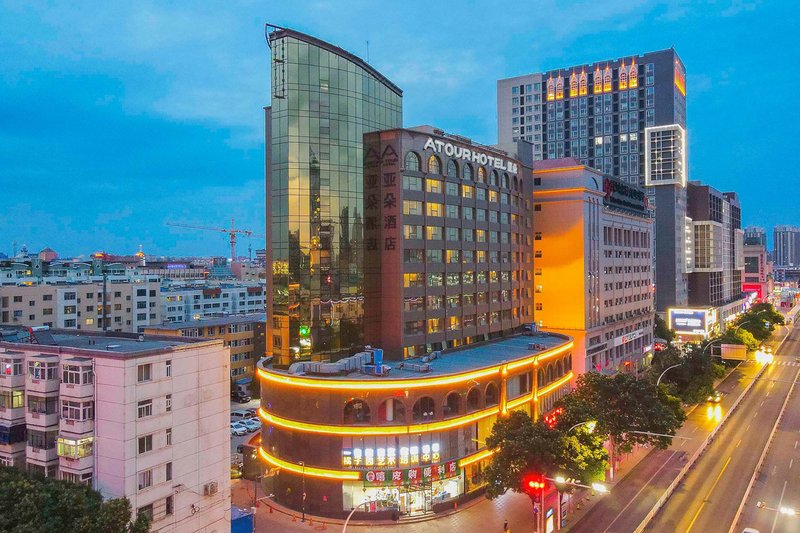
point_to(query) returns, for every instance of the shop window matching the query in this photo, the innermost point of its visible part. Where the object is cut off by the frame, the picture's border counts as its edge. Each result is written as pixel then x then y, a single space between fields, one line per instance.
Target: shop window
pixel 473 399
pixel 424 409
pixel 392 410
pixel 356 411
pixel 452 405
pixel 492 395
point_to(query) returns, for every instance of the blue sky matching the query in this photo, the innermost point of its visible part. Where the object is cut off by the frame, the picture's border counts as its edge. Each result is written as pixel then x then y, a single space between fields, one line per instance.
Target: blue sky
pixel 117 117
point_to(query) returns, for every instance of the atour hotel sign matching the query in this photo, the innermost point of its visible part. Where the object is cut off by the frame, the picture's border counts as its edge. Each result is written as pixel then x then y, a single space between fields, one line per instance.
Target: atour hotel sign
pixel 465 154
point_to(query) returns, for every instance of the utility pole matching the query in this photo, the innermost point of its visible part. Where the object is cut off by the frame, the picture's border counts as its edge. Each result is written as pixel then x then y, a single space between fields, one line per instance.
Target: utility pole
pixel 303 464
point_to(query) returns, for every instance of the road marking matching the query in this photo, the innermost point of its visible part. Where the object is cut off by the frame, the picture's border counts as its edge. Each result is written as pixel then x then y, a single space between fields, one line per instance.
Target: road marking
pixel 774 469
pixel 791 462
pixel 795 445
pixel 709 494
pixel 780 503
pixel 640 491
pixel 748 427
pixel 738 443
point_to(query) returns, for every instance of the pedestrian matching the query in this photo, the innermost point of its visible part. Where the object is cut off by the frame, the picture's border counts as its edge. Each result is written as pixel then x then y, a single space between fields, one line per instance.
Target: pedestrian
pixel 505 526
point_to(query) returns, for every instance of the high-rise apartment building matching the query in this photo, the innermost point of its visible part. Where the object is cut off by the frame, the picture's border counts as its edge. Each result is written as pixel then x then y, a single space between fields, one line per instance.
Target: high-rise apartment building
pixel 448 229
pixel 716 277
pixel 324 99
pixel 132 416
pixel 786 245
pixel 593 265
pixel 604 114
pixel 755 236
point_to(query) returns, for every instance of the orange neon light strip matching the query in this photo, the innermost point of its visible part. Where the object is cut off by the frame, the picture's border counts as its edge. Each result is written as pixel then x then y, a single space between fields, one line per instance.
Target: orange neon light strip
pixel 544 356
pixel 325 429
pixel 329 384
pixel 516 402
pixel 345 475
pixel 559 169
pixel 475 457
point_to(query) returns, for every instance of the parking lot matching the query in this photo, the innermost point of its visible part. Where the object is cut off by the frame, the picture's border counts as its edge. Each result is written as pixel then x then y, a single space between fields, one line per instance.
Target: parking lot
pixel 236 440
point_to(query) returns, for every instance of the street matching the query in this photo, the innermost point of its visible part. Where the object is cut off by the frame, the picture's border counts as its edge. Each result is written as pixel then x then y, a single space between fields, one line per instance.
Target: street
pixel 710 494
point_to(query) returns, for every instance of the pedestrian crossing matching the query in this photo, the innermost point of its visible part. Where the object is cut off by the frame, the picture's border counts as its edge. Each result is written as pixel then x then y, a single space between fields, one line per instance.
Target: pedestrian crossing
pixel 785 362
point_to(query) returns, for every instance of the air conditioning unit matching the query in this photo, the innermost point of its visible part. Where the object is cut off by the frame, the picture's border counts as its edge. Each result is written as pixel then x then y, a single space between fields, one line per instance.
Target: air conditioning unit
pixel 209 489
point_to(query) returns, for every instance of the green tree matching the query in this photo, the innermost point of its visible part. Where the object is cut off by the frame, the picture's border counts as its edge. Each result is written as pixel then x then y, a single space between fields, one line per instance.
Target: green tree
pixel 693 380
pixel 662 331
pixel 622 404
pixel 34 503
pixel 740 336
pixel 526 447
pixel 760 320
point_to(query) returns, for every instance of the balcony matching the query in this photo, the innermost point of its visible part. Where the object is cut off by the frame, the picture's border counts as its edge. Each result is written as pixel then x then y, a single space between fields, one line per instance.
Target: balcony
pixel 70 390
pixel 41 455
pixel 41 420
pixel 41 385
pixel 76 465
pixel 9 414
pixel 76 427
pixel 11 381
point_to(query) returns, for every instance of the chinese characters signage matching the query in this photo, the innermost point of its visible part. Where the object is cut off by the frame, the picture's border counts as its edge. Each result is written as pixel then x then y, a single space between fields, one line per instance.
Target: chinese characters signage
pixel 411 476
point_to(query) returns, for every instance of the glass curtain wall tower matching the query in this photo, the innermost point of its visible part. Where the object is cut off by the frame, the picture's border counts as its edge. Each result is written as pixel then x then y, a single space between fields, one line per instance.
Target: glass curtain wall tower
pixel 323 101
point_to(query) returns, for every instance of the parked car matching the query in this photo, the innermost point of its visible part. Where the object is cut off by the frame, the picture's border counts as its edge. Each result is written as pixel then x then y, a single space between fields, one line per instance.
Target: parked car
pixel 240 396
pixel 237 428
pixel 252 424
pixel 237 415
pixel 253 410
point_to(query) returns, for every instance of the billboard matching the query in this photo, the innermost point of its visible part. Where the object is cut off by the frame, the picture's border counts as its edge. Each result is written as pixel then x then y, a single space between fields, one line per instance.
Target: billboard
pixel 754 287
pixel 690 321
pixel 736 352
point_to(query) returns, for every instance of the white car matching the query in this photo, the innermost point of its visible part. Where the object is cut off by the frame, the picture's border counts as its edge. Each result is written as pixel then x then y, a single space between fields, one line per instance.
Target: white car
pixel 237 428
pixel 252 424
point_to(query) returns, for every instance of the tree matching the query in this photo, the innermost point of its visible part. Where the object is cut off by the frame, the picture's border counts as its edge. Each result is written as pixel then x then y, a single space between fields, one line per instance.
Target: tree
pixel 662 331
pixel 693 380
pixel 760 320
pixel 524 447
pixel 34 503
pixel 621 404
pixel 740 336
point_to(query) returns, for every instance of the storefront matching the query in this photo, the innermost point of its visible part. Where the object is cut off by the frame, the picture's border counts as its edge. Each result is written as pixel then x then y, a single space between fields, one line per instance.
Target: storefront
pixel 408 491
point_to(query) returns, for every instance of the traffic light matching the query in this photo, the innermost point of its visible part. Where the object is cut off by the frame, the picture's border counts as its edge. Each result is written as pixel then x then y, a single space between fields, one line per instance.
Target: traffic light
pixel 533 484
pixel 304 331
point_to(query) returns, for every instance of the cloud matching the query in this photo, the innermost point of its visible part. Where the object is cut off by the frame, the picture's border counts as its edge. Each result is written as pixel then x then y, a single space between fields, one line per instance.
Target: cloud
pixel 739 6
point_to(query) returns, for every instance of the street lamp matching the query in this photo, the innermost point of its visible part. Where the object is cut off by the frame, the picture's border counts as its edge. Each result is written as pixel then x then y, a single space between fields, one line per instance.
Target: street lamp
pixel 303 505
pixel 658 381
pixel 344 529
pixel 590 425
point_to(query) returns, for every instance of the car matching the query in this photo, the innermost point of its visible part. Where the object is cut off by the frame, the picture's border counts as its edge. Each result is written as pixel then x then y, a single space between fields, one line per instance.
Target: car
pixel 237 415
pixel 252 424
pixel 240 396
pixel 253 410
pixel 240 448
pixel 237 428
pixel 236 472
pixel 716 397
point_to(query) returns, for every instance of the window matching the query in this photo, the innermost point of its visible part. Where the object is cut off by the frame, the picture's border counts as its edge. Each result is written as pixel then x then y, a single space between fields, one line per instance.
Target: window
pixel 412 184
pixel 42 370
pixel 169 403
pixel 412 162
pixel 452 168
pixel 145 479
pixel 434 209
pixel 75 449
pixel 12 399
pixel 78 411
pixel 169 436
pixel 169 472
pixel 356 411
pixel 144 408
pixel 424 409
pixel 412 207
pixel 433 186
pixel 11 367
pixel 412 231
pixel 145 444
pixel 144 372
pixel 434 166
pixel 169 368
pixel 434 233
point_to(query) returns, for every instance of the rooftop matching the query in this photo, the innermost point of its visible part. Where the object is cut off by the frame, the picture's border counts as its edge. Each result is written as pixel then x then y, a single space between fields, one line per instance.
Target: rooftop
pixel 214 321
pixel 86 343
pixel 460 360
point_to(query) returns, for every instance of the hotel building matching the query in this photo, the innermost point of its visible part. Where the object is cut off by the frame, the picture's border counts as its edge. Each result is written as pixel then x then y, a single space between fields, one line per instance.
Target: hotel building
pixel 132 416
pixel 786 245
pixel 447 232
pixel 324 99
pixel 406 437
pixel 592 266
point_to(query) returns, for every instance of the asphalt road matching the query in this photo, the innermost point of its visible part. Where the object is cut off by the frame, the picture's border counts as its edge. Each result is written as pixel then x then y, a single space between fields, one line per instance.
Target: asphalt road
pixel 709 496
pixel 635 495
pixel 778 483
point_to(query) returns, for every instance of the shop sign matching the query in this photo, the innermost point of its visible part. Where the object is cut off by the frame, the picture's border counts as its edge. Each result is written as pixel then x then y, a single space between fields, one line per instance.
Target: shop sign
pixel 458 152
pixel 391 457
pixel 620 194
pixel 411 476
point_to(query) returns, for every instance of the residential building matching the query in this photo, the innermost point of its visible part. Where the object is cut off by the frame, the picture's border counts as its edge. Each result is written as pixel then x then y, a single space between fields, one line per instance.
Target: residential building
pixel 132 416
pixel 716 277
pixel 323 101
pixel 184 302
pixel 604 114
pixel 446 242
pixel 402 437
pixel 124 306
pixel 244 335
pixel 592 266
pixel 786 246
pixel 246 271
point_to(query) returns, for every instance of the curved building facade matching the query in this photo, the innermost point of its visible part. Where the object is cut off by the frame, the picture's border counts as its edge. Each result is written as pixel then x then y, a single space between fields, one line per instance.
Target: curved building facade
pixel 323 101
pixel 401 437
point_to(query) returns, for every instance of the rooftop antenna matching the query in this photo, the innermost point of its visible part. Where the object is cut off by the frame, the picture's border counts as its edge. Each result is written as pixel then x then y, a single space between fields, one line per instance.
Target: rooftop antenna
pixel 367 51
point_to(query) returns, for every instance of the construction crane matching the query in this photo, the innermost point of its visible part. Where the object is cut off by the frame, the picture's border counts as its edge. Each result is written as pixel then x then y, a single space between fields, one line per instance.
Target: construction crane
pixel 233 232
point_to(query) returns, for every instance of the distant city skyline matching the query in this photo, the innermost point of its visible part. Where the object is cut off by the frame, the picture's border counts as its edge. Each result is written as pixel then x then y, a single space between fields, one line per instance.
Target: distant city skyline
pixel 120 118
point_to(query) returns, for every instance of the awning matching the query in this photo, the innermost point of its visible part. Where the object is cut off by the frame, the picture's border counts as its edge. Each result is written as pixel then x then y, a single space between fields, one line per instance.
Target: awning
pixel 243 381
